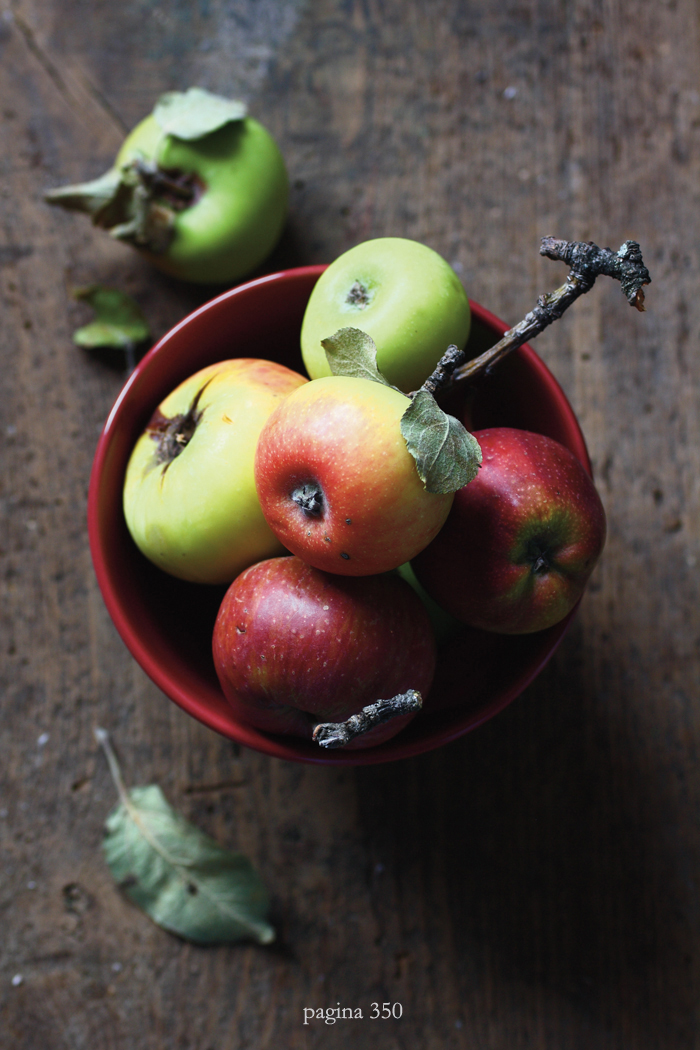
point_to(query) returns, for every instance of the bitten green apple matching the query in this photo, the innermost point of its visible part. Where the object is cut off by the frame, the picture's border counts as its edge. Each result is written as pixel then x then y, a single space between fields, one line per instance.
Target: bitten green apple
pixel 189 494
pixel 198 187
pixel 401 293
pixel 521 540
pixel 294 647
pixel 336 482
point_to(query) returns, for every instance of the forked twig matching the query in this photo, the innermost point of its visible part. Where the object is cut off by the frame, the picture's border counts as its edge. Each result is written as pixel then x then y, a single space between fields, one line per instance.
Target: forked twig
pixel 586 262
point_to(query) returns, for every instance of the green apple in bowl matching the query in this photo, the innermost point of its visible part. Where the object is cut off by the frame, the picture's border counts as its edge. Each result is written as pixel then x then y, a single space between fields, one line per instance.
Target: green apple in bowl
pixel 198 187
pixel 189 493
pixel 401 293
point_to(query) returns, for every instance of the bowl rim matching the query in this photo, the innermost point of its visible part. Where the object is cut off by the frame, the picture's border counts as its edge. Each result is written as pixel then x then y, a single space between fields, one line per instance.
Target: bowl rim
pixel 290 748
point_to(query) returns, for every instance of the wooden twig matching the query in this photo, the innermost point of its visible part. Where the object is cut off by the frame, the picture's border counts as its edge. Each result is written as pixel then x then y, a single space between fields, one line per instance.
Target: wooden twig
pixel 338 734
pixel 587 262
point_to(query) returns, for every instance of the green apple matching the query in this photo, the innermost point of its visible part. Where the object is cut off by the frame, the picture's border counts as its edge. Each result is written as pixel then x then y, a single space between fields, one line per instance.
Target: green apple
pixel 189 494
pixel 198 187
pixel 401 293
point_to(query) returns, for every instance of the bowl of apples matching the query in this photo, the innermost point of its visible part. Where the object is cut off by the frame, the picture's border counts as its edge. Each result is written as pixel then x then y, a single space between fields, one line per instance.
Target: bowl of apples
pixel 273 574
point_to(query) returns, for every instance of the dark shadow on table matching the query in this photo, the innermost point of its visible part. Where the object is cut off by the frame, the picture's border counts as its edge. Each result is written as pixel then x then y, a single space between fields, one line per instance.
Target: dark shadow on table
pixel 552 854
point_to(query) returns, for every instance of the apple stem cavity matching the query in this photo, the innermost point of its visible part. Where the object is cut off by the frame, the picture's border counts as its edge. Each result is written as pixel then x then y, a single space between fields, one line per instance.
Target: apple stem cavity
pixel 179 188
pixel 359 296
pixel 540 565
pixel 310 498
pixel 339 734
pixel 136 203
pixel 587 262
pixel 174 434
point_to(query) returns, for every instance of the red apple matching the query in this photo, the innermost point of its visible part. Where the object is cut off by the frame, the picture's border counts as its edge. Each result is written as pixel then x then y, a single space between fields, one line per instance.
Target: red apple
pixel 521 540
pixel 336 482
pixel 294 647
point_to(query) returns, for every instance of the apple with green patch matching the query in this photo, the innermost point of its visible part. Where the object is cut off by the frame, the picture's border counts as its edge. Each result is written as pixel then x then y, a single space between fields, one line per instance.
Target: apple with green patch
pixel 521 540
pixel 402 294
pixel 198 187
pixel 189 493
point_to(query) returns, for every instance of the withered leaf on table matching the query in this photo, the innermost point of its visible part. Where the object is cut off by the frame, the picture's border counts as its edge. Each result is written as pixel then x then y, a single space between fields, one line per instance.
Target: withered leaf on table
pixel 183 879
pixel 118 323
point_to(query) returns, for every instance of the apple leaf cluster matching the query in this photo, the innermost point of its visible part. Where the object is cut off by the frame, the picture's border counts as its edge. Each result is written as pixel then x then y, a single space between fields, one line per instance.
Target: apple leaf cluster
pixel 183 879
pixel 116 199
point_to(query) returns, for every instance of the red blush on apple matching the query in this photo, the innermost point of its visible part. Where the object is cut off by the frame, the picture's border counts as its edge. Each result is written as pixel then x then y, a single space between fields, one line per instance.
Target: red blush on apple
pixel 294 647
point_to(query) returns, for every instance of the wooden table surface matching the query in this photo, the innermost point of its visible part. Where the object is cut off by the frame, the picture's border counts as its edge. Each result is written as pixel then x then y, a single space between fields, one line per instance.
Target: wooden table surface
pixel 534 884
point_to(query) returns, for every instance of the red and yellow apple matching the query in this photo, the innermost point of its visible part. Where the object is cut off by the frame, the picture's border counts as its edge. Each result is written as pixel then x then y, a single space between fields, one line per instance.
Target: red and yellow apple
pixel 336 482
pixel 294 647
pixel 189 494
pixel 521 540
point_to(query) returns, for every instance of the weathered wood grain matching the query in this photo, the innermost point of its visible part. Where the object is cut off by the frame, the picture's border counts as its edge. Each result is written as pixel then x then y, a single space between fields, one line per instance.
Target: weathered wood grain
pixel 536 883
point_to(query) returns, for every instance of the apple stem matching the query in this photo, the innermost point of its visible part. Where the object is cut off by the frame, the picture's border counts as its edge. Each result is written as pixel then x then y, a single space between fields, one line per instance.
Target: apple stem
pixel 172 435
pixel 310 498
pixel 587 262
pixel 358 296
pixel 338 734
pixel 442 376
pixel 136 203
pixel 179 188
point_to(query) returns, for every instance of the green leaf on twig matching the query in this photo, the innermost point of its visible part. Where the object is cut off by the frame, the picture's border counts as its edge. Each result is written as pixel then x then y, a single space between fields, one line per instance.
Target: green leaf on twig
pixel 447 455
pixel 351 352
pixel 179 876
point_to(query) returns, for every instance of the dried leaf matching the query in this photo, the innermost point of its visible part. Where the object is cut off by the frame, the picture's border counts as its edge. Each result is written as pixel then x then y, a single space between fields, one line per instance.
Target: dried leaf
pixel 179 876
pixel 447 455
pixel 118 320
pixel 94 198
pixel 194 113
pixel 351 352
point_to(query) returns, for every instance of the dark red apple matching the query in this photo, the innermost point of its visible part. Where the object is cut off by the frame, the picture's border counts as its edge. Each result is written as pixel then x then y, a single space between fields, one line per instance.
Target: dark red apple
pixel 521 540
pixel 295 646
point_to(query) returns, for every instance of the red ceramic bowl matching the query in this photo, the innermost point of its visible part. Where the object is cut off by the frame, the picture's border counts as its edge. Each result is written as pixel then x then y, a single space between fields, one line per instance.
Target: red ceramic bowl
pixel 167 624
